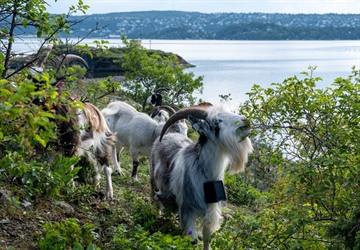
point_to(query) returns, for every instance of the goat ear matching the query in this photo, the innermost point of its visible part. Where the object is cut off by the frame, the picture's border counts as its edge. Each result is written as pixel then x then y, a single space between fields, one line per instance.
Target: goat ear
pixel 198 125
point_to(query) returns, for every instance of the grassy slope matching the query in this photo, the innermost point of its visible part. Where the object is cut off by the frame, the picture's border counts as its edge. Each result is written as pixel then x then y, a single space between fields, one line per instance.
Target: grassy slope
pixel 18 223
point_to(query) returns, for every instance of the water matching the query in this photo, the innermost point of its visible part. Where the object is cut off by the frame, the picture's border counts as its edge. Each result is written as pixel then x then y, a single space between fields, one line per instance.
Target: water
pixel 233 67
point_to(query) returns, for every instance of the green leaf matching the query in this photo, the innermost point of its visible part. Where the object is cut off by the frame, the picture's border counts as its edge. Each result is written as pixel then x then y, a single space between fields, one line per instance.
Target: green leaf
pixel 40 140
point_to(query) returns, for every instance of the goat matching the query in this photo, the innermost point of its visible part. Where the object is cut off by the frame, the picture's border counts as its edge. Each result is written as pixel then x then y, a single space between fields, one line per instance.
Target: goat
pixel 179 167
pixel 156 97
pixel 159 114
pixel 135 131
pixel 85 129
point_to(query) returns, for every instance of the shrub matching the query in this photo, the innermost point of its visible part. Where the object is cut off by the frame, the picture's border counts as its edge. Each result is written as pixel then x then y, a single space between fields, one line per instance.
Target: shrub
pixel 68 235
pixel 138 238
pixel 239 192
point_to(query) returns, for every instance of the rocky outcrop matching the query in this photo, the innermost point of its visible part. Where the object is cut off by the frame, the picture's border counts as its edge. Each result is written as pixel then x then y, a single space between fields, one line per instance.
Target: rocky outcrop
pixel 101 64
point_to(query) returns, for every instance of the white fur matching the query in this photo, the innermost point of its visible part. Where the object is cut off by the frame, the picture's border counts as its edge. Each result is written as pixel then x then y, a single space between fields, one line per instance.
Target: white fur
pixel 180 167
pixel 101 141
pixel 134 130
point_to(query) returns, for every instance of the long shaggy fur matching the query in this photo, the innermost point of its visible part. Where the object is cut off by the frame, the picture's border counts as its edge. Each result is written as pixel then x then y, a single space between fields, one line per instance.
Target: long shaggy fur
pixel 180 167
pixel 85 133
pixel 81 132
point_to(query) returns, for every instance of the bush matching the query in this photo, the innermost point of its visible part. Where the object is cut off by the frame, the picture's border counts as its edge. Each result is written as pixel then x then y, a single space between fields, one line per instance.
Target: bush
pixel 68 235
pixel 138 238
pixel 241 193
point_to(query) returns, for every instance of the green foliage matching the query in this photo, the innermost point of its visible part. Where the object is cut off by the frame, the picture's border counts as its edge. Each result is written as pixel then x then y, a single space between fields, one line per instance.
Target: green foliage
pixel 239 192
pixel 147 71
pixel 301 190
pixel 49 180
pixel 264 164
pixel 316 131
pixel 27 132
pixel 22 121
pixel 145 214
pixel 68 235
pixel 31 16
pixel 138 238
pixel 349 229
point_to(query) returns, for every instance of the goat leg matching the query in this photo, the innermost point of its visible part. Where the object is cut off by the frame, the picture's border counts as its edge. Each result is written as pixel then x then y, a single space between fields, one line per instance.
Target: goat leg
pixel 134 171
pixel 206 237
pixel 116 157
pixel 109 188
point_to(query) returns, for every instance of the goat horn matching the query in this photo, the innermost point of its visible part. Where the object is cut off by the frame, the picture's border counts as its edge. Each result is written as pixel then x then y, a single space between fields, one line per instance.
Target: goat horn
pixel 198 111
pixel 205 104
pixel 63 59
pixel 44 56
pixel 168 108
pixel 176 108
pixel 159 90
pixel 155 111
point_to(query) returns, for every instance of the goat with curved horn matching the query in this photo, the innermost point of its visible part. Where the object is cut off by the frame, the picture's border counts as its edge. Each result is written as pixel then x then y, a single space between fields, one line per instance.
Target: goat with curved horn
pixel 160 90
pixel 187 176
pixel 157 112
pixel 134 130
pixel 56 63
pixel 156 97
pixel 86 132
pixel 44 56
pixel 197 111
pixel 65 59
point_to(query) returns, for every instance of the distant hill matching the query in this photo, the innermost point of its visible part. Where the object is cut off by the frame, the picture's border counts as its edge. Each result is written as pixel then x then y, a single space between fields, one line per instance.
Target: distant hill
pixel 220 26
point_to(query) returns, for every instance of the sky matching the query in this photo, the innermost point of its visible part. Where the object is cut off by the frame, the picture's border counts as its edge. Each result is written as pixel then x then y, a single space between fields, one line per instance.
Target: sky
pixel 213 6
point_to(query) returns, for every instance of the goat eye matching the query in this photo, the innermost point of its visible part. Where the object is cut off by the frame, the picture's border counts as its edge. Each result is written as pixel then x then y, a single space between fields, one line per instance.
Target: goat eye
pixel 216 122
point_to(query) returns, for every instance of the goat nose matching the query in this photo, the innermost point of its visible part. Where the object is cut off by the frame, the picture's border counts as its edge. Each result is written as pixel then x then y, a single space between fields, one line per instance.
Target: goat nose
pixel 246 121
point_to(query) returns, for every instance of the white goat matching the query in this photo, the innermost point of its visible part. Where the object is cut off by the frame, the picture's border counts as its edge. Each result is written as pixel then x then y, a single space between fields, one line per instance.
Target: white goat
pixel 180 168
pixel 159 114
pixel 85 132
pixel 135 131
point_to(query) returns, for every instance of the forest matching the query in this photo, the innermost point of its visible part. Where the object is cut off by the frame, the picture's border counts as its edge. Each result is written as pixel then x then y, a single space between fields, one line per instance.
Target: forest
pixel 300 188
pixel 221 26
pixel 170 25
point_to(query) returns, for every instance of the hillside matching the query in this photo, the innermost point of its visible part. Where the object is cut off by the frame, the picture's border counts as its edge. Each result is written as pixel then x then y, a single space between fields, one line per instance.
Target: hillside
pixel 221 26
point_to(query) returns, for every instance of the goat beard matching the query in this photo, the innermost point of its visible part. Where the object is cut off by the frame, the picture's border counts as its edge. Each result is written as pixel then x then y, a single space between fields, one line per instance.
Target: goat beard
pixel 239 154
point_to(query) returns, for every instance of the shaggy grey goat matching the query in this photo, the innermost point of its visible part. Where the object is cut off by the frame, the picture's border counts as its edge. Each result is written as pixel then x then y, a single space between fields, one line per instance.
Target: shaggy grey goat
pixel 180 167
pixel 85 133
pixel 135 131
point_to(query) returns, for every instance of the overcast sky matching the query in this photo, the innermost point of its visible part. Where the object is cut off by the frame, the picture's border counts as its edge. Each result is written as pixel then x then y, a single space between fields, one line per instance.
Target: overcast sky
pixel 212 6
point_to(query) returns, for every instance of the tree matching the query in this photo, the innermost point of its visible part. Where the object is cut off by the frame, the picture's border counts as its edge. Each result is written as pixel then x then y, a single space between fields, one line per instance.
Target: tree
pixel 149 70
pixel 22 17
pixel 316 203
pixel 27 126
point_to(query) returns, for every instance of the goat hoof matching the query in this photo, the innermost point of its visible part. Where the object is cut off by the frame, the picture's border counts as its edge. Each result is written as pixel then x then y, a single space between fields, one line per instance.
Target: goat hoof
pixel 118 172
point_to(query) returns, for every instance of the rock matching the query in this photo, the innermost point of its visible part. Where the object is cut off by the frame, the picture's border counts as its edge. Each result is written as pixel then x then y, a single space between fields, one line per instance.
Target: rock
pixel 4 196
pixel 66 206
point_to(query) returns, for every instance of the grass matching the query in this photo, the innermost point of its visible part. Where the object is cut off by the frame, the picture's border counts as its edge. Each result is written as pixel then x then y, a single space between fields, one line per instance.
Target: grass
pixel 22 227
